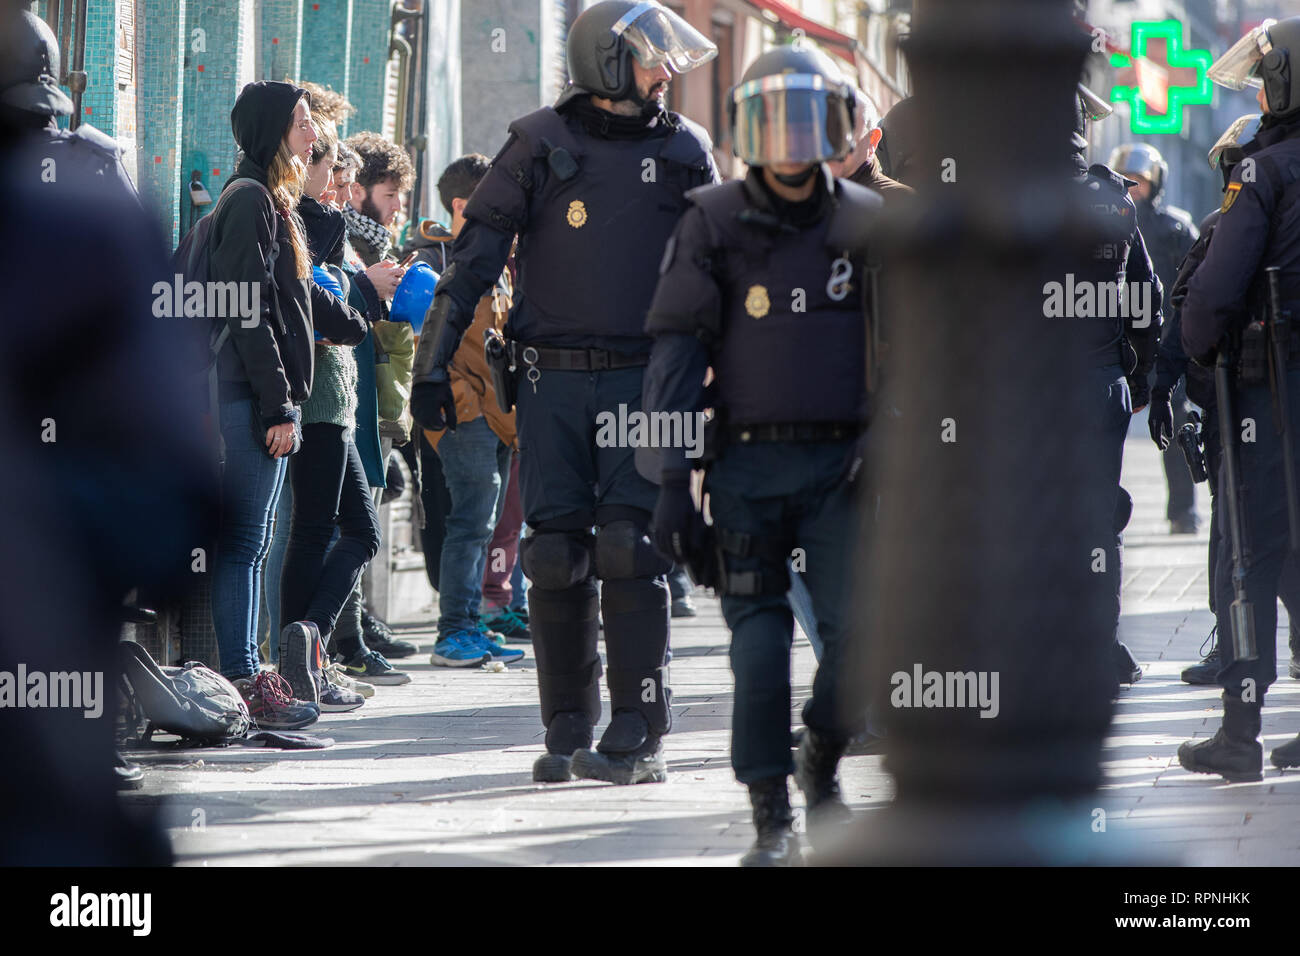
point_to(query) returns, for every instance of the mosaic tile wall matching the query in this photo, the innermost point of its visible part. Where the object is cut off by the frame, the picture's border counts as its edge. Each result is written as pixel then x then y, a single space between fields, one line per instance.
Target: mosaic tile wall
pixel 327 42
pixel 160 38
pixel 211 82
pixel 280 43
pixel 370 21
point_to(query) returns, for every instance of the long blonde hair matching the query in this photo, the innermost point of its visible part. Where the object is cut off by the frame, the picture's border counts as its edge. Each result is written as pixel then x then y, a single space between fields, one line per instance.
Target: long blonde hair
pixel 286 178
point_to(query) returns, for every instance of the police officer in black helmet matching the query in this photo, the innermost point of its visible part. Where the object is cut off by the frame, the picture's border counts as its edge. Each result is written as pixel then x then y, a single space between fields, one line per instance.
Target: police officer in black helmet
pixel 1120 349
pixel 85 159
pixel 593 189
pixel 1169 234
pixel 1259 227
pixel 764 282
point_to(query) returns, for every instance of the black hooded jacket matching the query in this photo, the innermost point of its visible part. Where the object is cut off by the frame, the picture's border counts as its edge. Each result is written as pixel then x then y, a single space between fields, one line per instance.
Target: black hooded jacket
pixel 272 361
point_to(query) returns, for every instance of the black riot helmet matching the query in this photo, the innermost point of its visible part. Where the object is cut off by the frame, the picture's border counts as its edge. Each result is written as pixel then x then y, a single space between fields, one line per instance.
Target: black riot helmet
pixel 1141 159
pixel 792 106
pixel 1269 57
pixel 605 37
pixel 897 148
pixel 29 68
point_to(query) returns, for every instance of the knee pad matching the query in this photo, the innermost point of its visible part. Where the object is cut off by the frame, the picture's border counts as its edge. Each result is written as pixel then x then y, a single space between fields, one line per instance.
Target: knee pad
pixel 555 560
pixel 624 551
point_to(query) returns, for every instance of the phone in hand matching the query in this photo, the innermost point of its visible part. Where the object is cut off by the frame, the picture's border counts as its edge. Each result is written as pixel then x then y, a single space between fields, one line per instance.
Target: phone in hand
pixel 405 263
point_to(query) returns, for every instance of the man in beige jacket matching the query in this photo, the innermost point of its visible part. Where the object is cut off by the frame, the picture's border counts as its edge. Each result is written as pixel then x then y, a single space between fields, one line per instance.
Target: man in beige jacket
pixel 475 458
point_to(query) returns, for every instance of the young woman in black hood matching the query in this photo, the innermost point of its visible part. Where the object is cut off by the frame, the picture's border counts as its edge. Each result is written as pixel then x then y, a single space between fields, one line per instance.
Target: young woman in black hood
pixel 265 370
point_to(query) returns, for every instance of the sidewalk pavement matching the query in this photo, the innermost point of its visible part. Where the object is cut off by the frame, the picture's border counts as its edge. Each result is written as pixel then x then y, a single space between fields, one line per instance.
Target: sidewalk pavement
pixel 438 771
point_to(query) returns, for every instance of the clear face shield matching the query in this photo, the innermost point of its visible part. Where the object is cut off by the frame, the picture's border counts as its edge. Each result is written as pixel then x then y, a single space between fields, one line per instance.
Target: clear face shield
pixel 1242 131
pixel 1137 160
pixel 1094 107
pixel 1236 69
pixel 792 118
pixel 659 37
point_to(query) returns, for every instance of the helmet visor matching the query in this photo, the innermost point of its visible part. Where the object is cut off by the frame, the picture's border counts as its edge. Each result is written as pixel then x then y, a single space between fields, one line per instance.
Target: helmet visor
pixel 1242 131
pixel 660 37
pixel 1236 68
pixel 1094 107
pixel 792 118
pixel 1135 161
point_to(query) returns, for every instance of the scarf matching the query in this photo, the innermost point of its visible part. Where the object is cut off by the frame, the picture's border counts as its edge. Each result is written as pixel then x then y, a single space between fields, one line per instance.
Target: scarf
pixel 375 235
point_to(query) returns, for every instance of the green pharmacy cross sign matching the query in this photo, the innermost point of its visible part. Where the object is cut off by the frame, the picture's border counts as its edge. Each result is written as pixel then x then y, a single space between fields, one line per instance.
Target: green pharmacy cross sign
pixel 1153 86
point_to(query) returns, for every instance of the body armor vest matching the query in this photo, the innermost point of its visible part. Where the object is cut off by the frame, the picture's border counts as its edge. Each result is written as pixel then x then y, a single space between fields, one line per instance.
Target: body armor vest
pixel 597 225
pixel 793 330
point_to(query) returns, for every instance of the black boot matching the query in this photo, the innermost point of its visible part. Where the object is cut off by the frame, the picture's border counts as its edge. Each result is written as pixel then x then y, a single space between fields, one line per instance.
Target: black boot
pixel 1286 755
pixel 776 844
pixel 628 753
pixel 815 766
pixel 1234 752
pixel 568 731
pixel 1207 671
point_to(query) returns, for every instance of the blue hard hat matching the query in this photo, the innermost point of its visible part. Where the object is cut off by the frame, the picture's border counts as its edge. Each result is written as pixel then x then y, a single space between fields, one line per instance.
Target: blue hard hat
pixel 414 295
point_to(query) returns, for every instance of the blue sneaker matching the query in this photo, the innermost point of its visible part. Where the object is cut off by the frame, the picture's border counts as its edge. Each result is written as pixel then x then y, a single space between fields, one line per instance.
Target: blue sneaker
pixel 507 655
pixel 459 649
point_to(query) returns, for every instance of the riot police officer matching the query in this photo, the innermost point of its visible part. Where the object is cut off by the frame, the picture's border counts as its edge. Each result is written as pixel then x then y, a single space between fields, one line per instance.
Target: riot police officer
pixel 1169 233
pixel 764 281
pixel 86 159
pixel 1256 230
pixel 1121 348
pixel 1172 364
pixel 593 189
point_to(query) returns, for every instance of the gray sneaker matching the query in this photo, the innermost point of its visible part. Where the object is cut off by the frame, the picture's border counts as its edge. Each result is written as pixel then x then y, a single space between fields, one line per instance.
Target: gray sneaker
pixel 335 699
pixel 300 659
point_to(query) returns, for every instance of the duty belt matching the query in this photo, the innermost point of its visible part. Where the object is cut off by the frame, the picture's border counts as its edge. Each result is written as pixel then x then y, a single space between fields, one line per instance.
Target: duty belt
pixel 793 431
pixel 576 360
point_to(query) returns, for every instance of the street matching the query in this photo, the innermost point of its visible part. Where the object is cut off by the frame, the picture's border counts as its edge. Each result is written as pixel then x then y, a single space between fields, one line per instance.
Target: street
pixel 437 772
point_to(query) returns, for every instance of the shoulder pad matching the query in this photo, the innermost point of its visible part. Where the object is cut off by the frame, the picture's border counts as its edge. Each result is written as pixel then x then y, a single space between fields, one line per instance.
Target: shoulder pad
pixel 98 140
pixel 856 208
pixel 546 124
pixel 1105 174
pixel 719 202
pixel 688 145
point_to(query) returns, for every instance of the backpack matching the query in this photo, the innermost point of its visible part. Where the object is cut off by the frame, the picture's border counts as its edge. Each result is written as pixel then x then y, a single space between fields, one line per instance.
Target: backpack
pixel 191 261
pixel 192 701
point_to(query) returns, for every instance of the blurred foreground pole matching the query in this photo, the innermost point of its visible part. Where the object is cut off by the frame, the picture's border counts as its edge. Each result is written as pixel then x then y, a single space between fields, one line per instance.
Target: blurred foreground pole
pixel 982 559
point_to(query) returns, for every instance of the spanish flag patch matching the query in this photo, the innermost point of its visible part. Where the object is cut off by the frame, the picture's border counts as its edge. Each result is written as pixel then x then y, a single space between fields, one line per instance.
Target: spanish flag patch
pixel 1230 196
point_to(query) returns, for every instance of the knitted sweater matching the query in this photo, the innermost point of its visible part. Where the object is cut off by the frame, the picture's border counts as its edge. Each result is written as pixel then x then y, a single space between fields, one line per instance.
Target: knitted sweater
pixel 333 398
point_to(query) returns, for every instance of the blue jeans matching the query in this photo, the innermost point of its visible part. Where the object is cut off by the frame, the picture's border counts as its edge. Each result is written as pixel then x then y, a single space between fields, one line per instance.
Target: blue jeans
pixel 250 489
pixel 269 615
pixel 476 467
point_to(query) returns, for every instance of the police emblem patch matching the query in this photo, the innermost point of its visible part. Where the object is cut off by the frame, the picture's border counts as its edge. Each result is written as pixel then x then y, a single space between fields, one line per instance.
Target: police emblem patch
pixel 577 214
pixel 757 303
pixel 1230 196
